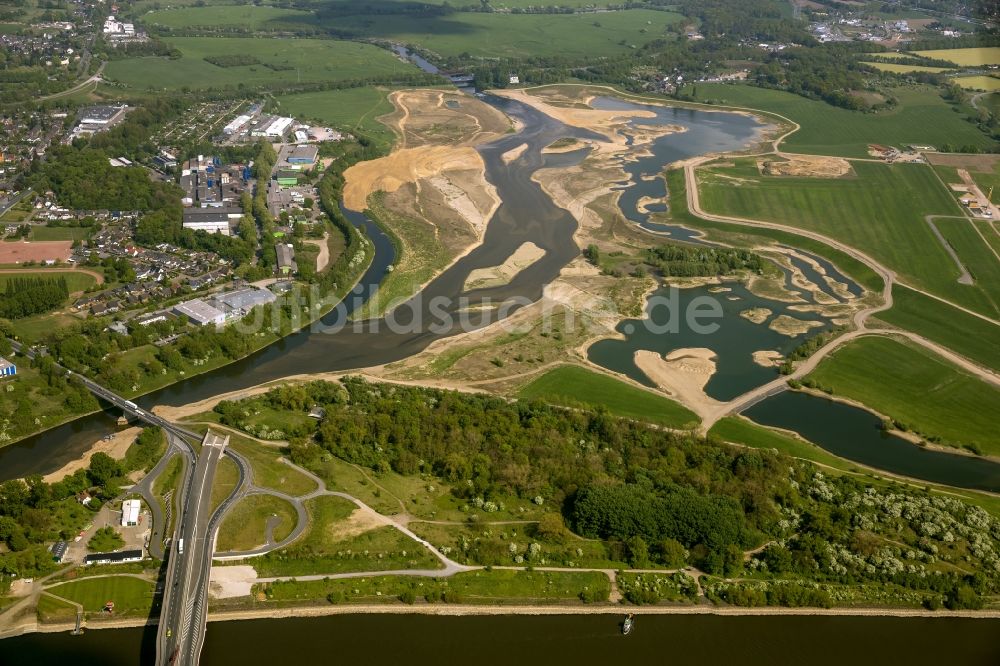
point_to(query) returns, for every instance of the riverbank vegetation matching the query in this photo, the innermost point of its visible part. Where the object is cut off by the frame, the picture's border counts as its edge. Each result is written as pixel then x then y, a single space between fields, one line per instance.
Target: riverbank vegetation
pixel 34 513
pixel 650 498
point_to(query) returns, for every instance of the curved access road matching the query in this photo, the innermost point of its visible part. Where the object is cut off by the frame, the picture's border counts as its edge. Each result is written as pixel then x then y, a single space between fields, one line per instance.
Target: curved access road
pixel 711 415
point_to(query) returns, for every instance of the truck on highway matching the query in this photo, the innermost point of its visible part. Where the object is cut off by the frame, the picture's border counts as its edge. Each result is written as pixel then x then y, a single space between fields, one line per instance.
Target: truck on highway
pixel 180 546
pixel 131 405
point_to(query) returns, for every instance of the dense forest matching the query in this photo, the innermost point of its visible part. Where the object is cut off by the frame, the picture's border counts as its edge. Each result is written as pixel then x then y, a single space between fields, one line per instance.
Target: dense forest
pixel 26 296
pixel 658 497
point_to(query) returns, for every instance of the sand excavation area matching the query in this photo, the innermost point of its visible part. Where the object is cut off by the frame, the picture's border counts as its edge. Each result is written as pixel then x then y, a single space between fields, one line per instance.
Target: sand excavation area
pixel 683 373
pixel 805 166
pixel 577 112
pixel 437 133
pixel 495 276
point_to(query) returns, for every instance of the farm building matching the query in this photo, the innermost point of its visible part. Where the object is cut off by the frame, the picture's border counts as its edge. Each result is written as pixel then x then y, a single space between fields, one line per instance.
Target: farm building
pixel 117 557
pixel 7 369
pixel 200 312
pixel 130 512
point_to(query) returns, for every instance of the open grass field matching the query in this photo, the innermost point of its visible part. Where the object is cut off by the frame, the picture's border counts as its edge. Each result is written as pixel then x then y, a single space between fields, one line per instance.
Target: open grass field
pixel 378 549
pixel 226 477
pixel 573 386
pixel 269 471
pixel 246 17
pixel 75 280
pixel 244 528
pixel 131 595
pixel 739 430
pixel 922 117
pixel 904 69
pixel 283 60
pixel 473 587
pixel 354 109
pixel 987 83
pixel 915 388
pixel 59 233
pixel 969 336
pixel 880 211
pixel 992 103
pixel 518 35
pixel 973 57
pixel 976 255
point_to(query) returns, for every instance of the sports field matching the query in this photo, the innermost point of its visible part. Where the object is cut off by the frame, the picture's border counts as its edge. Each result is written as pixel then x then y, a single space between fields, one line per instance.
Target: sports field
pixel 922 117
pixel 282 61
pixel 75 280
pixel 974 57
pixel 987 83
pixel 905 69
pixel 915 387
pixel 880 211
pixel 354 108
pixel 573 386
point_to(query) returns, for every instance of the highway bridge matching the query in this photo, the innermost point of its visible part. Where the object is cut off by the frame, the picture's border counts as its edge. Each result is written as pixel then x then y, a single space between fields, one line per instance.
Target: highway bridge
pixel 184 607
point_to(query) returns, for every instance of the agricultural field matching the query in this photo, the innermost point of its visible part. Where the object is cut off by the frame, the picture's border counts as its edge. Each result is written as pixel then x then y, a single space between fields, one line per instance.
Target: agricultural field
pixel 904 69
pixel 282 60
pixel 573 386
pixel 915 388
pixel 518 35
pixel 974 57
pixel 976 255
pixel 987 83
pixel 251 18
pixel 353 109
pixel 922 117
pixel 880 211
pixel 970 336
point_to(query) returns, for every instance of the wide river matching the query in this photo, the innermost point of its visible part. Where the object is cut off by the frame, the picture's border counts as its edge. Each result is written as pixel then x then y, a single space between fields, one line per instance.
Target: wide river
pixel 566 640
pixel 526 214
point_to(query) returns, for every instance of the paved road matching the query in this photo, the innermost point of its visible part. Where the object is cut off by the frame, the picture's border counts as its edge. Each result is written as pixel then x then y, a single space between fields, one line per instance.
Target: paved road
pixel 10 202
pixel 181 630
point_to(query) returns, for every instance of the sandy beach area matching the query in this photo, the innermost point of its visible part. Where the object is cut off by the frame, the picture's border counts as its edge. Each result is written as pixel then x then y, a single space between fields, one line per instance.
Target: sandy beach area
pixel 683 373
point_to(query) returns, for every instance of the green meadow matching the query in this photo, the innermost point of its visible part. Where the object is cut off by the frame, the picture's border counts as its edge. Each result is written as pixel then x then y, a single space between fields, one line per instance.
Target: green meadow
pixel 353 109
pixel 477 34
pixel 879 210
pixel 573 386
pixel 916 388
pixel 976 255
pixel 281 61
pixel 922 117
pixel 970 336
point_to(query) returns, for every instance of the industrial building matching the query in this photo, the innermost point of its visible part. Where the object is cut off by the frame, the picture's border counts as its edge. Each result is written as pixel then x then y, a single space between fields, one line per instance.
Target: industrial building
pixel 236 124
pixel 287 178
pixel 7 369
pixel 238 303
pixel 97 119
pixel 200 312
pixel 212 220
pixel 130 512
pixel 297 157
pixel 272 127
pixel 286 258
pixel 116 557
pixel 207 183
pixel 58 551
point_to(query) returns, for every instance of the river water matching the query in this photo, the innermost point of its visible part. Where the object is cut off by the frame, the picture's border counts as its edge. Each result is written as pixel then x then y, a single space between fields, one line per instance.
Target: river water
pixel 527 214
pixel 695 640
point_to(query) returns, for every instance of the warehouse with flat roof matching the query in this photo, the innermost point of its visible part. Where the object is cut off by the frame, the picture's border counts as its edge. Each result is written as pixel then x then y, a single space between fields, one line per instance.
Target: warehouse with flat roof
pixel 200 312
pixel 130 512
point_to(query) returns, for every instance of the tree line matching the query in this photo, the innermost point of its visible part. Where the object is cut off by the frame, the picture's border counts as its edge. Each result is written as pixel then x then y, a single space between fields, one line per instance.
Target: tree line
pixel 26 296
